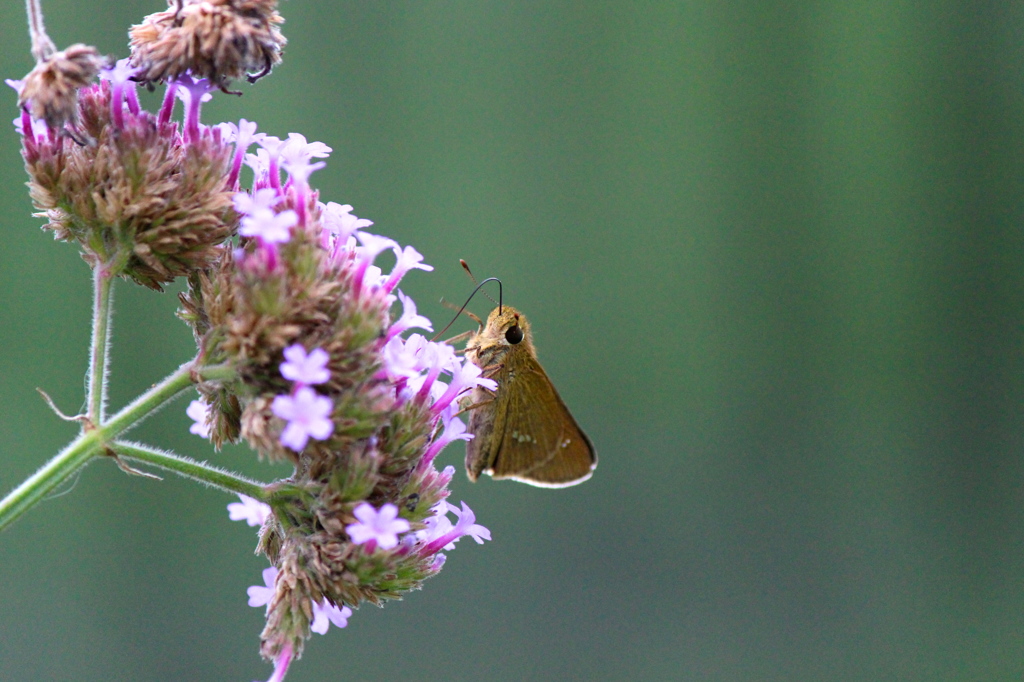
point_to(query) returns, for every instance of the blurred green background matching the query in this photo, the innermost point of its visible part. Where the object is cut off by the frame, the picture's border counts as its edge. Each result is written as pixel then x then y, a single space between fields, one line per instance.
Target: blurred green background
pixel 773 253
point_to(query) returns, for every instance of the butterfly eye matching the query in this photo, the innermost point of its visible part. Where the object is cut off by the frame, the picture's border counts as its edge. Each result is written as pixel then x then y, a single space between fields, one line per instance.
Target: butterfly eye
pixel 514 334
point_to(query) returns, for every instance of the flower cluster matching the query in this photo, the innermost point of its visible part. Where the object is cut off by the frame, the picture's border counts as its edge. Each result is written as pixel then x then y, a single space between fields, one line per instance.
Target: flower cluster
pixel 145 198
pixel 287 300
pixel 301 311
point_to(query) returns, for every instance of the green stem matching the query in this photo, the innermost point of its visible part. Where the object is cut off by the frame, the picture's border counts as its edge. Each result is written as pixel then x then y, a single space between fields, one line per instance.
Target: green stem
pixel 190 468
pixel 94 440
pixel 101 313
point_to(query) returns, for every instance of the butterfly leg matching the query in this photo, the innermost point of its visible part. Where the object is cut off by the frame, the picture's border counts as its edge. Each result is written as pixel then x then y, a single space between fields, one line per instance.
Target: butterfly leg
pixel 474 406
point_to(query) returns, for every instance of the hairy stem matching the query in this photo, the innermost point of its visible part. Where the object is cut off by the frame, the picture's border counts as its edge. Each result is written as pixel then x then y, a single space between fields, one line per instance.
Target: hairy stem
pixel 102 310
pixel 95 440
pixel 190 468
pixel 42 46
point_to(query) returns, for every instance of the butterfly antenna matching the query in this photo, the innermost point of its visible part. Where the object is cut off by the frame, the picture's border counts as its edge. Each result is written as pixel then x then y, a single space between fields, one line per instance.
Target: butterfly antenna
pixel 489 279
pixel 465 266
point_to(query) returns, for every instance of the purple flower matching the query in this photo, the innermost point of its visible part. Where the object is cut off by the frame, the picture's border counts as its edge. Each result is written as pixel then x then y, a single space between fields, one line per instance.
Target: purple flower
pixel 372 246
pixel 305 369
pixel 260 201
pixel 119 76
pixel 408 258
pixel 402 357
pixel 381 526
pixel 281 663
pixel 409 319
pixel 466 525
pixel 199 412
pixel 308 415
pixel 295 148
pixel 242 135
pixel 339 221
pixel 454 429
pixel 465 376
pixel 193 92
pixel 251 511
pixel 261 595
pixel 434 358
pixel 436 525
pixel 260 164
pixel 271 228
pixel 325 613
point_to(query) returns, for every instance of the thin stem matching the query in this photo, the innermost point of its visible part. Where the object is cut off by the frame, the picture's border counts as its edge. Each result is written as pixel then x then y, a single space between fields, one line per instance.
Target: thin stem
pixel 37 486
pixel 190 468
pixel 90 443
pixel 102 310
pixel 42 46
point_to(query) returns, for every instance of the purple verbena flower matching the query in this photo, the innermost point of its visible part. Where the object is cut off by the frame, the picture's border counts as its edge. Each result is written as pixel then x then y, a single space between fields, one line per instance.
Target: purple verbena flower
pixel 269 227
pixel 260 595
pixel 305 369
pixel 409 319
pixel 296 148
pixel 407 259
pixel 325 613
pixel 251 511
pixel 381 526
pixel 435 357
pixel 339 221
pixel 199 412
pixel 454 429
pixel 308 416
pixel 401 359
pixel 193 92
pixel 465 376
pixel 466 525
pixel 120 75
pixel 281 663
pixel 242 135
pixel 260 201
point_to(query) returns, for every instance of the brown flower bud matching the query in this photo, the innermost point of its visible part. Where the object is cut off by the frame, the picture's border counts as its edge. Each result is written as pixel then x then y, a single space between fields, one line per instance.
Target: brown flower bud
pixel 50 90
pixel 220 40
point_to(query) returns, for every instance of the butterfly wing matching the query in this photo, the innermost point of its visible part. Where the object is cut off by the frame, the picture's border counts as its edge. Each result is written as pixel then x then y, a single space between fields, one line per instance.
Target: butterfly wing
pixel 540 441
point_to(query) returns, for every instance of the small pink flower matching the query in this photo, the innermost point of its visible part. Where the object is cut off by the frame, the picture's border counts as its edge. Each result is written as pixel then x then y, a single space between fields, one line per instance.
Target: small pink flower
pixel 407 259
pixel 325 613
pixel 308 416
pixel 307 369
pixel 381 526
pixel 466 525
pixel 409 319
pixel 251 511
pixel 454 429
pixel 199 412
pixel 260 595
pixel 271 228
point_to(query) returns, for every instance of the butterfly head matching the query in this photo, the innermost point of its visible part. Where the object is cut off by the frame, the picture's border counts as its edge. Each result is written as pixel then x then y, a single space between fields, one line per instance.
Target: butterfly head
pixel 507 326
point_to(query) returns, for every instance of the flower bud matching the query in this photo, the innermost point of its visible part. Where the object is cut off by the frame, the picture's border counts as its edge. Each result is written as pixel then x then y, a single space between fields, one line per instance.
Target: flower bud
pixel 50 90
pixel 220 40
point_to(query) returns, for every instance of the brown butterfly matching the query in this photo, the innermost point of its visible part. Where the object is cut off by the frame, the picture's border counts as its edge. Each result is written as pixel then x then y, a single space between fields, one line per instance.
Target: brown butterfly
pixel 522 430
